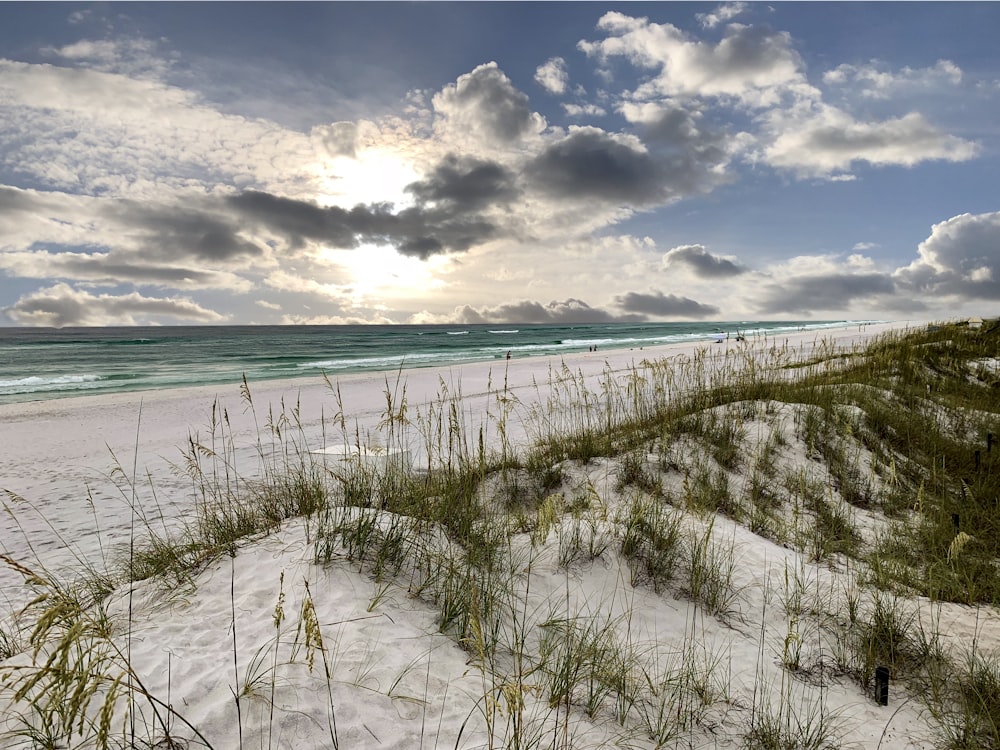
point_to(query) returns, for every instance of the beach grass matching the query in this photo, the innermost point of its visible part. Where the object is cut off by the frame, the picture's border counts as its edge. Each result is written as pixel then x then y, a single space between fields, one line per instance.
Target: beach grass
pixel 873 466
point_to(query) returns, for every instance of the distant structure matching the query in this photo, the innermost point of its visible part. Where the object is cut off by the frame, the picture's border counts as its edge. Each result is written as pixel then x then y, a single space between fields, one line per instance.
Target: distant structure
pixel 975 322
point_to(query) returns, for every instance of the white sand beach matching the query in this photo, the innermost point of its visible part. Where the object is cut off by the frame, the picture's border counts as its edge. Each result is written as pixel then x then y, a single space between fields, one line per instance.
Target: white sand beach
pixel 326 655
pixel 67 458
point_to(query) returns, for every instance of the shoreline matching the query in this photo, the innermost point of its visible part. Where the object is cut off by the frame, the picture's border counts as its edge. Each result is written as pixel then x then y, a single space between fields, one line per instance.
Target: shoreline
pixel 619 356
pixel 300 354
pixel 82 428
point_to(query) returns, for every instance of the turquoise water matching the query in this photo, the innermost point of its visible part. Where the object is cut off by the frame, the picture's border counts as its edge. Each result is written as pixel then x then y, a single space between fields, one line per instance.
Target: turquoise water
pixel 37 364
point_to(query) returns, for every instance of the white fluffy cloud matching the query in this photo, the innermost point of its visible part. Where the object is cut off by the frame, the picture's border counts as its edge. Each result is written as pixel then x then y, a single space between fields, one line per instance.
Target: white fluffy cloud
pixel 822 140
pixel 758 70
pixel 104 133
pixel 583 110
pixel 961 257
pixel 722 14
pixel 553 76
pixel 876 80
pixel 750 64
pixel 484 108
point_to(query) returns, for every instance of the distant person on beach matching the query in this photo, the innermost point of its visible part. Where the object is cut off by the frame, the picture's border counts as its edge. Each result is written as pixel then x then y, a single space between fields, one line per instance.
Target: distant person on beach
pixel 508 355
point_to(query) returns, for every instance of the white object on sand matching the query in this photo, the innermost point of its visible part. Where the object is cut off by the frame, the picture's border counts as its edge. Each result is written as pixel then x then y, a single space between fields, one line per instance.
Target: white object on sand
pixel 378 457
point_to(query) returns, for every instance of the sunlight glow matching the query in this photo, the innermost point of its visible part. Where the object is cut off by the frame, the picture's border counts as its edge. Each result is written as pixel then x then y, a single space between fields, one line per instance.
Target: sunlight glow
pixel 378 271
pixel 374 176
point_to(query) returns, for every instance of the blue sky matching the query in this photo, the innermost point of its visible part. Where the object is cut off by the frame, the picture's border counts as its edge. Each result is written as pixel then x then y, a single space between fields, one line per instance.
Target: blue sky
pixel 187 163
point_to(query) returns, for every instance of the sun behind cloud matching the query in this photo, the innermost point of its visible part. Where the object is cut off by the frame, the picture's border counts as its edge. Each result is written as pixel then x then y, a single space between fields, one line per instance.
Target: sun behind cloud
pixel 374 175
pixel 376 272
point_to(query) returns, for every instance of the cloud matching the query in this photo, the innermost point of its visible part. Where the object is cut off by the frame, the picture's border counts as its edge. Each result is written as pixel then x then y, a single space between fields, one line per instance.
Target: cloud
pixel 334 320
pixel 591 163
pixel 172 231
pixel 757 71
pixel 583 110
pixel 808 294
pixel 725 12
pixel 751 63
pixel 659 305
pixel 412 231
pixel 111 134
pixel 144 182
pixel 107 268
pixel 876 81
pixel 827 139
pixel 672 129
pixel 191 243
pixel 339 138
pixel 703 263
pixel 961 257
pixel 465 184
pixel 62 305
pixel 133 56
pixel 552 75
pixel 526 311
pixel 485 105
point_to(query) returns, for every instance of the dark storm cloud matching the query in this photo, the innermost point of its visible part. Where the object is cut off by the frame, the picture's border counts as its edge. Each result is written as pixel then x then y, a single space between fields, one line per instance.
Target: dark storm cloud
pixel 663 305
pixel 590 163
pixel 172 231
pixel 144 240
pixel 703 263
pixel 528 311
pixel 465 184
pixel 806 294
pixel 159 243
pixel 421 247
pixel 415 231
pixel 299 221
pixel 485 102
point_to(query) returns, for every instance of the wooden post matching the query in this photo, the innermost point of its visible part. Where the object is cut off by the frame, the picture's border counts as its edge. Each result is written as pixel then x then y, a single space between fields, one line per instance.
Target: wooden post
pixel 882 686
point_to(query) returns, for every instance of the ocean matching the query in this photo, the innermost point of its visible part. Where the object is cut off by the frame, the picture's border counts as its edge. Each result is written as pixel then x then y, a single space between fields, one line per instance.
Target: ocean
pixel 38 364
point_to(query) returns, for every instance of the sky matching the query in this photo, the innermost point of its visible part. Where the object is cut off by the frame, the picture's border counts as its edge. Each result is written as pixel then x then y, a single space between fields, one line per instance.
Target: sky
pixel 459 163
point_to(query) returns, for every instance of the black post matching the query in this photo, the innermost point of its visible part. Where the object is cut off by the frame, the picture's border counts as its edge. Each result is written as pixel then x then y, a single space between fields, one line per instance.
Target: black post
pixel 954 520
pixel 882 686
